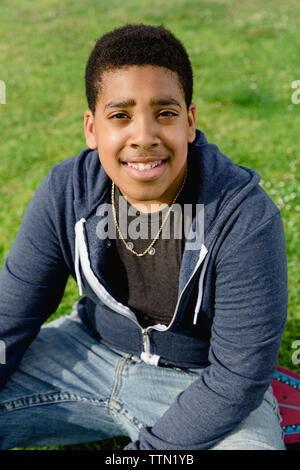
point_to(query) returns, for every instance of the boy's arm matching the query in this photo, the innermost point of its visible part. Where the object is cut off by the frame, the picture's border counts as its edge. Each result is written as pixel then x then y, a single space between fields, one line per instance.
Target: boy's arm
pixel 250 314
pixel 32 280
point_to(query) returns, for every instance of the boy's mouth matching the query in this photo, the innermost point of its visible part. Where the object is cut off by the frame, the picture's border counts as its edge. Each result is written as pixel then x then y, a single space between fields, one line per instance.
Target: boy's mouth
pixel 146 170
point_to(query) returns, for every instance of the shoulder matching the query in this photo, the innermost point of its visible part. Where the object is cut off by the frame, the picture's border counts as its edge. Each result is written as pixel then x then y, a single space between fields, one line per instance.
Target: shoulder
pixel 258 206
pixel 255 227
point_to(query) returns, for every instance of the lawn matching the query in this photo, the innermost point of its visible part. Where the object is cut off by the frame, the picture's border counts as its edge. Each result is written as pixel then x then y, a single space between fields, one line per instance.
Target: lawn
pixel 245 57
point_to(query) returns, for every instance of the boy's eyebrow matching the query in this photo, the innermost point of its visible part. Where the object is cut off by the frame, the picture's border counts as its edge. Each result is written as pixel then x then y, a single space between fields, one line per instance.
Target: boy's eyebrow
pixel 120 104
pixel 165 102
pixel 131 102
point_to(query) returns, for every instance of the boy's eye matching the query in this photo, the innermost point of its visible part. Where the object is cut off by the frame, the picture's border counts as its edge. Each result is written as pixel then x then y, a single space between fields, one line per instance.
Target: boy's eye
pixel 167 114
pixel 119 116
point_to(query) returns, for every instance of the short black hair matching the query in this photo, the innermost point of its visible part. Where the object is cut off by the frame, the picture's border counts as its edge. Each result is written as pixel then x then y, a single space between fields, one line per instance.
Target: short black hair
pixel 137 44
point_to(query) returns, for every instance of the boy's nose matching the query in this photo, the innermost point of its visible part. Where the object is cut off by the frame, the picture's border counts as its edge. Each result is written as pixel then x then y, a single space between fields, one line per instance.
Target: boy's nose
pixel 144 134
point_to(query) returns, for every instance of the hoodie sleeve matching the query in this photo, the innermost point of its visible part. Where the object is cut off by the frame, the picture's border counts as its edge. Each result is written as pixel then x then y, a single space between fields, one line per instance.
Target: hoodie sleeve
pixel 249 318
pixel 32 280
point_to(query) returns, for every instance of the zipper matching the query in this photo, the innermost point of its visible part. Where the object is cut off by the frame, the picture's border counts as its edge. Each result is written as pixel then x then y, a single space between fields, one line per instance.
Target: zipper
pixel 200 261
pixel 105 297
pixel 145 337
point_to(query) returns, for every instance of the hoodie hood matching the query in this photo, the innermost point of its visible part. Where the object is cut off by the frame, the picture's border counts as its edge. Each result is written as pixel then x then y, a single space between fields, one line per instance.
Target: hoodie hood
pixel 222 184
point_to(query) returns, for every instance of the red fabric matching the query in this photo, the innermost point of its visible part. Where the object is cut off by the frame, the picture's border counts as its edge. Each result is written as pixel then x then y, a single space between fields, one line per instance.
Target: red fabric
pixel 286 388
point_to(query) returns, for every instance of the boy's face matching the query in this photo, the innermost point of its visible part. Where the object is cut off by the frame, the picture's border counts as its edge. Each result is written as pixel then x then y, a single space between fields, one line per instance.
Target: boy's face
pixel 141 129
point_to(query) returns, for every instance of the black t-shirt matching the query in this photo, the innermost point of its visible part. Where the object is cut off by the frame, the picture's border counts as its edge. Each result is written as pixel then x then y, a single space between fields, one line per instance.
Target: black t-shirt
pixel 147 284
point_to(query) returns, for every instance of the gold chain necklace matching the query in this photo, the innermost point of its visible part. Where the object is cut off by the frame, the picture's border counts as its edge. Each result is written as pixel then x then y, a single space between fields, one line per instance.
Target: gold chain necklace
pixel 161 227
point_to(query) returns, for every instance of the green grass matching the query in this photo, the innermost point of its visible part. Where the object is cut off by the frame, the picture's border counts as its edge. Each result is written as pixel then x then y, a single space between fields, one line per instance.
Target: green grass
pixel 245 56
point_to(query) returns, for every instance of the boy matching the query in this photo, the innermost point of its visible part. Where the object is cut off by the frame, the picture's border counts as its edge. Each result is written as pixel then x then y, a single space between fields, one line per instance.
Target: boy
pixel 175 340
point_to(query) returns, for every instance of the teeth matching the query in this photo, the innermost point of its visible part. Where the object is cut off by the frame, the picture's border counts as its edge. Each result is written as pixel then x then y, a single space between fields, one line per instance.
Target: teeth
pixel 142 166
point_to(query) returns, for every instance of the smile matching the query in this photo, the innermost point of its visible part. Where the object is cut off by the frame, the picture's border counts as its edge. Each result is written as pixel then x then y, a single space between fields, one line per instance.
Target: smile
pixel 147 170
pixel 143 166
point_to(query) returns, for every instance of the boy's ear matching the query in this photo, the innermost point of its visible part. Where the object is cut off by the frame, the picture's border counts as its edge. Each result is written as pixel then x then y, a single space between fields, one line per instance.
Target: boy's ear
pixel 89 129
pixel 192 122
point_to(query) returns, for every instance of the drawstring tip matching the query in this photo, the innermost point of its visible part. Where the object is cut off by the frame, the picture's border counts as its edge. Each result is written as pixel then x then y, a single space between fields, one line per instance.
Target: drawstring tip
pixel 203 253
pixel 78 227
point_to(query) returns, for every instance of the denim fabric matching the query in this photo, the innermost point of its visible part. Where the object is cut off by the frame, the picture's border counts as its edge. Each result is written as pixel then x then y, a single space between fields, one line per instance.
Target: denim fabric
pixel 70 388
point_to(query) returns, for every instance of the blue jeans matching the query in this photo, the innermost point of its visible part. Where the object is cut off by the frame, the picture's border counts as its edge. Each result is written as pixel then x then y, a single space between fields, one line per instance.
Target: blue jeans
pixel 71 389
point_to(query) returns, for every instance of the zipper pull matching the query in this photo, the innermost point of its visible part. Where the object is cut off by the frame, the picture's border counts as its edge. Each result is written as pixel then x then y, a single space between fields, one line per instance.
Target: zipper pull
pixel 151 359
pixel 146 341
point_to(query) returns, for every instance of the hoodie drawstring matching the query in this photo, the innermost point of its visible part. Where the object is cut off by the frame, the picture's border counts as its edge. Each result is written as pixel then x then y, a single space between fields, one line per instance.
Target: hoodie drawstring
pixel 203 254
pixel 78 226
